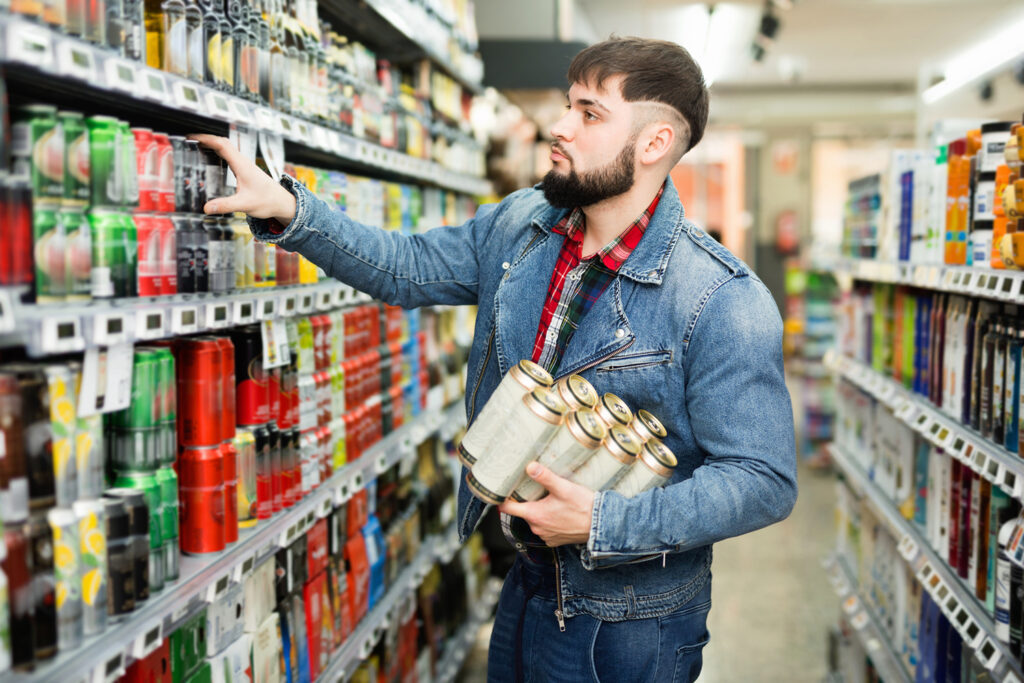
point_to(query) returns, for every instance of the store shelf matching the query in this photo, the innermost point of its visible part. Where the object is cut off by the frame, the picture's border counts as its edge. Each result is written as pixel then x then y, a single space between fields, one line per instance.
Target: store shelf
pixel 403 31
pixel 865 623
pixel 1000 285
pixel 203 578
pixel 393 605
pixel 81 73
pixel 949 591
pixel 461 644
pixel 989 459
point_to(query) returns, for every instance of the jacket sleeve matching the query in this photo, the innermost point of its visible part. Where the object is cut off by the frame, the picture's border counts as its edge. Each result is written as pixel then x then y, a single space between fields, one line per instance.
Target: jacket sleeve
pixel 440 266
pixel 741 417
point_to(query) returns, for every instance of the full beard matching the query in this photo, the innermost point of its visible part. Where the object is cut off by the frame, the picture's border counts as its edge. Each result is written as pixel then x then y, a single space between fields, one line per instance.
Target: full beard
pixel 573 189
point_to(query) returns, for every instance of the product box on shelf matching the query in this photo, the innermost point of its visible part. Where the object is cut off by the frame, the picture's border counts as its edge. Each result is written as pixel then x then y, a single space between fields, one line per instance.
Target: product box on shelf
pixel 357 571
pixel 259 595
pixel 234 665
pixel 316 548
pixel 188 647
pixel 290 568
pixel 225 619
pixel 319 623
pixel 154 668
pixel 266 651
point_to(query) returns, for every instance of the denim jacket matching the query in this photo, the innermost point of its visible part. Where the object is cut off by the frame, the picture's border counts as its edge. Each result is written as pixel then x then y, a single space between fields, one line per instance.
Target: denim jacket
pixel 685 330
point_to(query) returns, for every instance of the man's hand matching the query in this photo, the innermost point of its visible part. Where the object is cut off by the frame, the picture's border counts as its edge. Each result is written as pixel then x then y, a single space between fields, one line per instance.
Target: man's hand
pixel 563 516
pixel 257 194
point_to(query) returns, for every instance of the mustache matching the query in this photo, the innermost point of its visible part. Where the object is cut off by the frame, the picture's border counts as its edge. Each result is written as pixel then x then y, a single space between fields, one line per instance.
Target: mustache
pixel 555 147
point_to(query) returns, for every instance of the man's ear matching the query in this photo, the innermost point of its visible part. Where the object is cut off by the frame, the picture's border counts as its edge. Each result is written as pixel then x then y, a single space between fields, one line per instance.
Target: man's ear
pixel 656 142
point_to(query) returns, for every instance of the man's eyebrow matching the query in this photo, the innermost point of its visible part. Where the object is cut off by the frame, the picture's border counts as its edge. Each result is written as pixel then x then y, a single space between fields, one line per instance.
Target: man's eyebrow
pixel 588 103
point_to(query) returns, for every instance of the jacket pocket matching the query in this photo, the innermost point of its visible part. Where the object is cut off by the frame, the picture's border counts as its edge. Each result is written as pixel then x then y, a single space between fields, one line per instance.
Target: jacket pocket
pixel 636 360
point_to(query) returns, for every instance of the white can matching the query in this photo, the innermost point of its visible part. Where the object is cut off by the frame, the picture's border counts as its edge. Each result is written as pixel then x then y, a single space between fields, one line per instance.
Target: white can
pixel 578 439
pixel 607 465
pixel 576 392
pixel 613 411
pixel 647 427
pixel 652 468
pixel 524 377
pixel 530 425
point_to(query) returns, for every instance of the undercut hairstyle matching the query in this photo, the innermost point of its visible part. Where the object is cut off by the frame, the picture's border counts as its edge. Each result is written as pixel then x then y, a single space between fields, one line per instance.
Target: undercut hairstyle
pixel 656 71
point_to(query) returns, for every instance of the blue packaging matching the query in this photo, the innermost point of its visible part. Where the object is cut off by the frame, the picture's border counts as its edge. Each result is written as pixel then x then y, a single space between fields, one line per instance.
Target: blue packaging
pixel 376 554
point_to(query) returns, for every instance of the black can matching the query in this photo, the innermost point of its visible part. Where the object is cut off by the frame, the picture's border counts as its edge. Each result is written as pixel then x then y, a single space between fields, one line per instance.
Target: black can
pixel 120 562
pixel 227 251
pixel 201 242
pixel 186 250
pixel 264 492
pixel 138 519
pixel 215 256
pixel 182 177
pixel 294 462
pixel 275 466
pixel 37 434
pixel 197 176
pixel 44 587
pixel 214 171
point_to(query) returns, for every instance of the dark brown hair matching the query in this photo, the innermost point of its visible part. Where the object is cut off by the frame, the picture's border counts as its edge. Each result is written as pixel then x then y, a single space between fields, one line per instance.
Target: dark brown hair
pixel 654 70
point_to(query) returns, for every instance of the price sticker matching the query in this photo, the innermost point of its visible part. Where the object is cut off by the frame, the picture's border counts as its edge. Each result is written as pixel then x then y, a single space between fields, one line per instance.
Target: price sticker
pixel 965 281
pixel 217 315
pixel 1007 289
pixel 110 670
pixel 185 320
pixel 266 309
pixel 908 548
pixel 218 588
pixel 285 124
pixel 120 75
pixel 154 86
pixel 266 120
pixel 61 334
pixel 289 305
pixel 981 284
pixel 7 320
pixel 326 507
pixel 150 324
pixel 302 129
pixel 186 96
pixel 243 569
pixel 76 60
pixel 860 620
pixel 30 44
pixel 323 300
pixel 111 328
pixel 305 302
pixel 1009 482
pixel 337 297
pixel 320 139
pixel 148 641
pixel 240 111
pixel 217 105
pixel 987 653
pixel 244 312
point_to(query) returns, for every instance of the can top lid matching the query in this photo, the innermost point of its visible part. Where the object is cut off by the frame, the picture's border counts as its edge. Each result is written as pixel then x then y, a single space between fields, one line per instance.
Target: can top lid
pixel 647 426
pixel 531 375
pixel 577 392
pixel 586 427
pixel 102 118
pixel 546 404
pixel 140 129
pixel 996 127
pixel 135 504
pixel 657 456
pixel 623 444
pixel 38 108
pixel 117 518
pixel 613 410
pixel 70 114
pixel 176 137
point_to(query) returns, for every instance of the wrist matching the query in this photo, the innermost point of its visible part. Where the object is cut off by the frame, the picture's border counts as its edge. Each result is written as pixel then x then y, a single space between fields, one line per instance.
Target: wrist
pixel 285 212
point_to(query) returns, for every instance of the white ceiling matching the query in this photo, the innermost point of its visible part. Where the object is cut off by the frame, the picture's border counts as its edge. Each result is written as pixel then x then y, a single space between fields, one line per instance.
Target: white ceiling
pixel 864 42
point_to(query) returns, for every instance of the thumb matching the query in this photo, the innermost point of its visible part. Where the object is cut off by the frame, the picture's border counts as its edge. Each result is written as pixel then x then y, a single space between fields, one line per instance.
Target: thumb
pixel 555 484
pixel 229 204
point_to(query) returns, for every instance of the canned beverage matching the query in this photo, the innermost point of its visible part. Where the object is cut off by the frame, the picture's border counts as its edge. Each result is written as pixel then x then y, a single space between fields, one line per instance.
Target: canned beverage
pixel 37 144
pixel 28 8
pixel 276 475
pixel 244 253
pixel 135 437
pixel 186 252
pixel 168 259
pixel 149 255
pixel 143 579
pixel 44 588
pixel 50 252
pixel 609 464
pixel 293 463
pixel 147 158
pixel 14 473
pixel 96 21
pixel 78 253
pixel 264 476
pixel 259 263
pixel 75 23
pixel 147 483
pixel 653 468
pixel 120 560
pixel 245 447
pixel 175 39
pixel 274 394
pixel 89 446
pixel 647 427
pixel 217 278
pixel 168 481
pixel 76 158
pixel 613 411
pixel 182 176
pixel 251 380
pixel 229 457
pixel 196 169
pixel 92 537
pixel 14 554
pixel 201 492
pixel 201 245
pixel 127 164
pixel 111 269
pixel 60 387
pixel 104 137
pixel 134 30
pixel 576 392
pixel 66 567
pixel 37 431
pixel 214 173
pixel 16 259
pixel 227 414
pixel 167 396
pixel 200 373
pixel 165 173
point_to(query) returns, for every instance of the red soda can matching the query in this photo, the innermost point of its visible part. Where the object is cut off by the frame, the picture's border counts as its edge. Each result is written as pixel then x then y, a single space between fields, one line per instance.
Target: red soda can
pixel 229 455
pixel 252 387
pixel 165 173
pixel 227 351
pixel 200 368
pixel 201 496
pixel 147 162
pixel 148 267
pixel 285 412
pixel 295 462
pixel 264 485
pixel 276 482
pixel 323 437
pixel 291 386
pixel 18 266
pixel 274 387
pixel 168 253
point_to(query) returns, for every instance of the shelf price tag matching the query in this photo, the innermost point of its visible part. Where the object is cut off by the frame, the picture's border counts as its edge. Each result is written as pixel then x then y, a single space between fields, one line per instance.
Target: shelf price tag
pixel 110 670
pixel 7 321
pixel 302 132
pixel 243 569
pixel 217 315
pixel 266 309
pixel 120 75
pixel 148 641
pixel 289 305
pixel 217 105
pixel 325 507
pixel 323 300
pixel 240 111
pixel 150 324
pixel 30 44
pixel 244 312
pixel 285 124
pixel 951 279
pixel 1020 289
pixel 320 138
pixel 185 320
pixel 1007 289
pixel 987 653
pixel 216 589
pixel 76 60
pixel 154 86
pixel 61 334
pixel 908 548
pixel 186 96
pixel 111 328
pixel 305 302
pixel 266 120
pixel 1010 482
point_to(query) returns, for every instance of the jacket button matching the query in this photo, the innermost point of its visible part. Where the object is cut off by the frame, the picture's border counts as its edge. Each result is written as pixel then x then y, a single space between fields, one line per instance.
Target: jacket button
pixel 620 333
pixel 504 266
pixel 653 273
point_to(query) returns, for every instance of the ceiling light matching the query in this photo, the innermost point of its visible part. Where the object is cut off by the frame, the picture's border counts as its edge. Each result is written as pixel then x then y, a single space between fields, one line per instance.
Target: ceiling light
pixel 983 58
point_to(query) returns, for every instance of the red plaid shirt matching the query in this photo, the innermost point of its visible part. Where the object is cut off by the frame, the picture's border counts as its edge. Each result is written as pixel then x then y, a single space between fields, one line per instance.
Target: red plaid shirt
pixel 577 283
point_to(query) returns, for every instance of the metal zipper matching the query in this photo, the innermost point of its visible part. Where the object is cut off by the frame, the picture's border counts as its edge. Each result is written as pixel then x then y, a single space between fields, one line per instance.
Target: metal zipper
pixel 601 359
pixel 480 377
pixel 559 614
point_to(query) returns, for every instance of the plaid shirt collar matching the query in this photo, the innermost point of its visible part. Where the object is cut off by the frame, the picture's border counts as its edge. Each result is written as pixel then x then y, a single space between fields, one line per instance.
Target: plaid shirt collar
pixel 615 253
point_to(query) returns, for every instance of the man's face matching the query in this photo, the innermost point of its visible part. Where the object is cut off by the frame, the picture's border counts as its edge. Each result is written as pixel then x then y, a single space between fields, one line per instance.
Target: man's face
pixel 593 155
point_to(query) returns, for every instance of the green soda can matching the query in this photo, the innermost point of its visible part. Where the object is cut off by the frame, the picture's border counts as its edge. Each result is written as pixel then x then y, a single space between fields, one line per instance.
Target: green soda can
pixel 130 239
pixel 76 158
pixel 167 397
pixel 37 144
pixel 78 254
pixel 92 538
pixel 168 480
pixel 126 166
pixel 134 433
pixel 104 136
pixel 109 265
pixel 48 246
pixel 66 569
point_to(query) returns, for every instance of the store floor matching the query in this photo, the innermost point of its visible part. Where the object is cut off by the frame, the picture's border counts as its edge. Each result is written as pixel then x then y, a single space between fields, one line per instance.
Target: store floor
pixel 772 606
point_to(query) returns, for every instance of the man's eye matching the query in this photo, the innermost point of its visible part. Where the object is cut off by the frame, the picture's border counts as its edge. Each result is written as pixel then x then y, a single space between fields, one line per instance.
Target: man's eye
pixel 590 116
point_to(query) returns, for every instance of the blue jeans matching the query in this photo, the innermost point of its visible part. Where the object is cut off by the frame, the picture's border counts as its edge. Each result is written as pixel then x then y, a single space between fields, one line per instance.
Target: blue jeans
pixel 527 646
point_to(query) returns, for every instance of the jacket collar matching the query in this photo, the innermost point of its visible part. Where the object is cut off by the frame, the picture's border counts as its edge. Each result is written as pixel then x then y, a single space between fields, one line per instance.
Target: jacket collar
pixel 649 259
